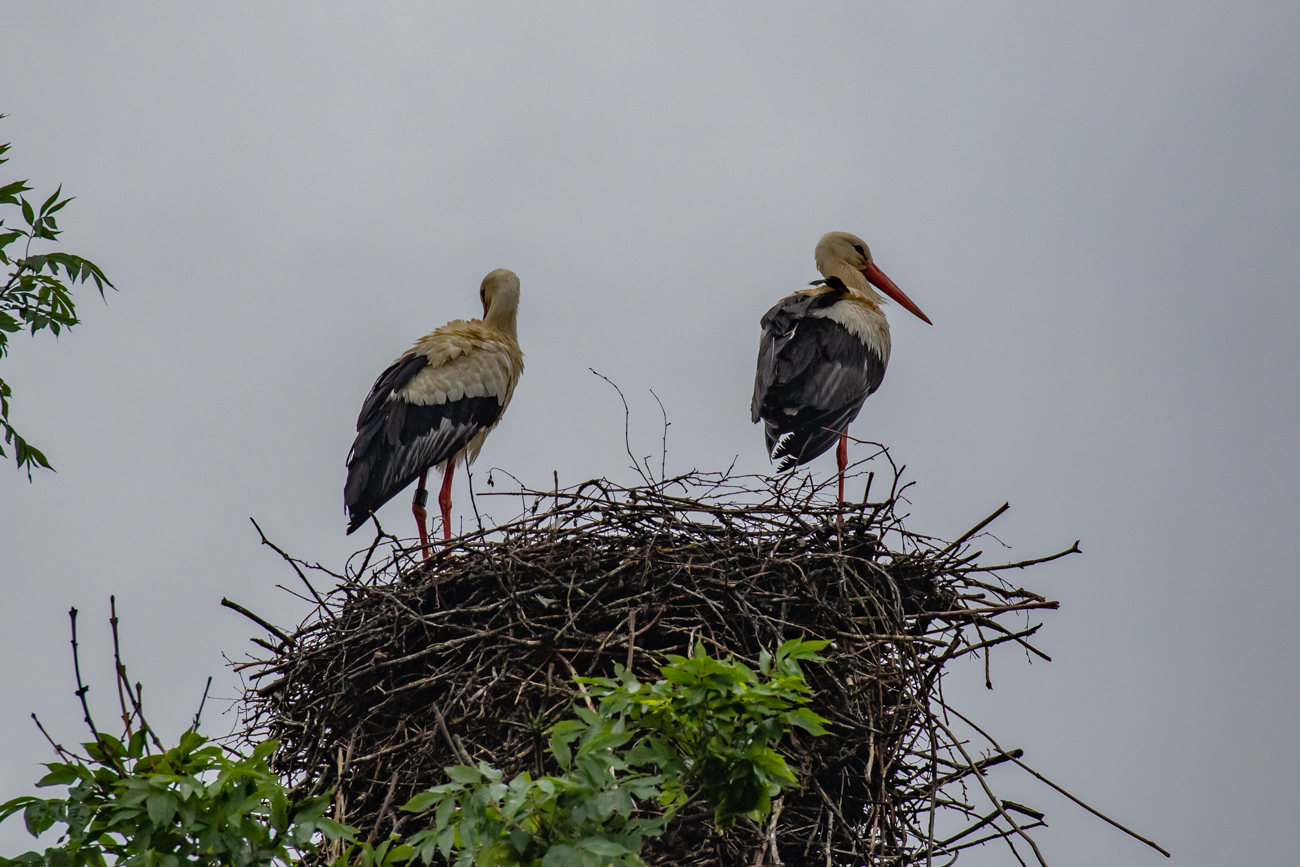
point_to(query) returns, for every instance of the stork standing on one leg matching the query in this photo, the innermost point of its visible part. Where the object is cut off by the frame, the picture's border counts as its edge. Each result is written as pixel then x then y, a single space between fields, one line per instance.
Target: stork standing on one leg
pixel 434 406
pixel 823 352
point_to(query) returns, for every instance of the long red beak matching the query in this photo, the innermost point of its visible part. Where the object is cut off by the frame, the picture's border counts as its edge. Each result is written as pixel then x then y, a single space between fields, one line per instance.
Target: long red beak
pixel 884 284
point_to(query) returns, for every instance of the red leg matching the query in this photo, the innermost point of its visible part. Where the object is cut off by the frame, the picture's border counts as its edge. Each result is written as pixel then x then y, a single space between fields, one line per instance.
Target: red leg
pixel 417 509
pixel 444 501
pixel 842 460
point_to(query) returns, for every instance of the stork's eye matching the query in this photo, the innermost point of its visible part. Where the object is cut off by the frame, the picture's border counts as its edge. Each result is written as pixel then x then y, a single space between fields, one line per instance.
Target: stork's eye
pixel 858 247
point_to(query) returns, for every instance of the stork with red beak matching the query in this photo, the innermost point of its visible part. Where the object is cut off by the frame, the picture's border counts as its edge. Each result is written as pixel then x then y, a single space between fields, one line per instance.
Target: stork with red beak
pixel 435 406
pixel 823 352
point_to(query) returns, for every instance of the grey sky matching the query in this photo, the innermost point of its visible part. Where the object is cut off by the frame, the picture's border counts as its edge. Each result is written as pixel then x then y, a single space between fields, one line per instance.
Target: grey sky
pixel 1097 204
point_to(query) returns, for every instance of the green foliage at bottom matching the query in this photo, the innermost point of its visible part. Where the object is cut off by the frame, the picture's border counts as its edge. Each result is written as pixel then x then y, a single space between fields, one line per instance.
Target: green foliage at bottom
pixel 191 804
pixel 634 756
pixel 707 731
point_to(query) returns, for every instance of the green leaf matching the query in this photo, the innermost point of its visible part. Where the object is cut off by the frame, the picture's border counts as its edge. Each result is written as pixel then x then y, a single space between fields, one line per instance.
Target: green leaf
pixel 59 775
pixel 8 808
pixel 808 721
pixel 262 752
pixel 602 846
pixel 562 856
pixel 398 854
pixel 422 802
pixel 446 839
pixel 162 807
pixel 40 816
pixel 445 809
pixel 798 648
pixel 560 749
pixel 54 197
pixel 464 774
pixel 520 840
pixel 10 192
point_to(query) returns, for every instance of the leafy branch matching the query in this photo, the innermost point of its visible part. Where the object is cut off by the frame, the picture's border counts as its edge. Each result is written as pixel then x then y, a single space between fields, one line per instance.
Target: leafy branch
pixel 34 296
pixel 629 766
pixel 129 801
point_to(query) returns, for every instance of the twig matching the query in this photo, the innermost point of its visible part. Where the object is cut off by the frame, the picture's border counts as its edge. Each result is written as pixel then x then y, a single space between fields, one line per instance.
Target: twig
pixel 663 453
pixel 457 749
pixel 1073 549
pixel 198 714
pixel 1012 756
pixel 235 606
pixel 109 755
pixel 961 540
pixel 631 638
pixel 291 561
pixel 627 436
pixel 997 805
pixel 58 748
pixel 383 810
pixel 118 668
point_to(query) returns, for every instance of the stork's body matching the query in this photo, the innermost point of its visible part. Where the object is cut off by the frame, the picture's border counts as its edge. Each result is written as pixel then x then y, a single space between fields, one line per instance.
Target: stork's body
pixel 823 351
pixel 435 406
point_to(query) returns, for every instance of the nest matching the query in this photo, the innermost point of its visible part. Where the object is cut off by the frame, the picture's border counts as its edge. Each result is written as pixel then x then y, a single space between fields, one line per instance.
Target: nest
pixel 406 662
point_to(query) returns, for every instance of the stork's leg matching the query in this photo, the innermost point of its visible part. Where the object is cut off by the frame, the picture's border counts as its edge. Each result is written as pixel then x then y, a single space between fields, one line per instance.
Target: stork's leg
pixel 417 509
pixel 444 501
pixel 842 460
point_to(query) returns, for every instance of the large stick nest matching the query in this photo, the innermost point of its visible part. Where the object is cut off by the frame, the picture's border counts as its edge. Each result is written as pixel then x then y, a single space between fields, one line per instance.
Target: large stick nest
pixel 487 635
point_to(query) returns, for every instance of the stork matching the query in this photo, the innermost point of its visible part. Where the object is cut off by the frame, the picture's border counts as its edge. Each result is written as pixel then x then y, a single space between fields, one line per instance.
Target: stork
pixel 823 352
pixel 434 406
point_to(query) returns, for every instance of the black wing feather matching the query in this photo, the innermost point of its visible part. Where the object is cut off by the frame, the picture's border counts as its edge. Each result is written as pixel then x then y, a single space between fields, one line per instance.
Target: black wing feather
pixel 397 440
pixel 813 376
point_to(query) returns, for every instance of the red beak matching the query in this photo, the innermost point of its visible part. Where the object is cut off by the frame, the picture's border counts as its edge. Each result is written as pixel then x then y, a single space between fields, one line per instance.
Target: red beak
pixel 878 279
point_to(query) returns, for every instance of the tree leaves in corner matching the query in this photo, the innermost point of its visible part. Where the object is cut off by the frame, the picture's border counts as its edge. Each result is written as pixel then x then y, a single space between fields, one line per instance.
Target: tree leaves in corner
pixel 34 296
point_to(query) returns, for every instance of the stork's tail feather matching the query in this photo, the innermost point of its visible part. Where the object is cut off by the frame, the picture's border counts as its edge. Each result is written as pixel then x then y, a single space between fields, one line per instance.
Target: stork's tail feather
pixel 355 522
pixel 801 446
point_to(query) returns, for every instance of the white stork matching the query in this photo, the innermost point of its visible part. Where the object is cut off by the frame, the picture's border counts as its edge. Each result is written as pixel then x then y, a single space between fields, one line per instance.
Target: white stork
pixel 434 406
pixel 823 352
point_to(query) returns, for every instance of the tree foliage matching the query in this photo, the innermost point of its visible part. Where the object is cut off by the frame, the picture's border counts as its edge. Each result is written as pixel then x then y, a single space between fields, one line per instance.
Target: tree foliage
pixel 191 804
pixel 707 731
pixel 634 757
pixel 34 296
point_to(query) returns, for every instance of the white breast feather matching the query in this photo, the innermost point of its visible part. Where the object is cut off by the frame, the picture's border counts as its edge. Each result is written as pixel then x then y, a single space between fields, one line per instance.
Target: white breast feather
pixel 866 323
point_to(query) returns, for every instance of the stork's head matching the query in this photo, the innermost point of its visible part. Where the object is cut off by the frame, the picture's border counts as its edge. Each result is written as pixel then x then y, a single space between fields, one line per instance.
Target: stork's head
pixel 499 289
pixel 844 255
pixel 500 295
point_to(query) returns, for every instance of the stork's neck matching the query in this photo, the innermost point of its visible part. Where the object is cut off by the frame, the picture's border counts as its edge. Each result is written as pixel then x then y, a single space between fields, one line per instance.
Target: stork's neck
pixel 503 316
pixel 853 279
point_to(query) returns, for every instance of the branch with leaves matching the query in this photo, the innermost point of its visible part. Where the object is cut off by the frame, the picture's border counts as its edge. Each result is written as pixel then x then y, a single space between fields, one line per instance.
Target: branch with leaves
pixel 34 296
pixel 629 765
pixel 131 800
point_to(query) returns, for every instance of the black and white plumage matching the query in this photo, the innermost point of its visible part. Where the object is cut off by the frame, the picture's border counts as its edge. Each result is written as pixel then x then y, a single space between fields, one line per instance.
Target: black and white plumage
pixel 823 351
pixel 813 376
pixel 435 406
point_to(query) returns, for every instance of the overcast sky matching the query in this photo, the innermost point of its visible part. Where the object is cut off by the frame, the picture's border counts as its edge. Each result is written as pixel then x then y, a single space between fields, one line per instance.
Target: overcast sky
pixel 1098 205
